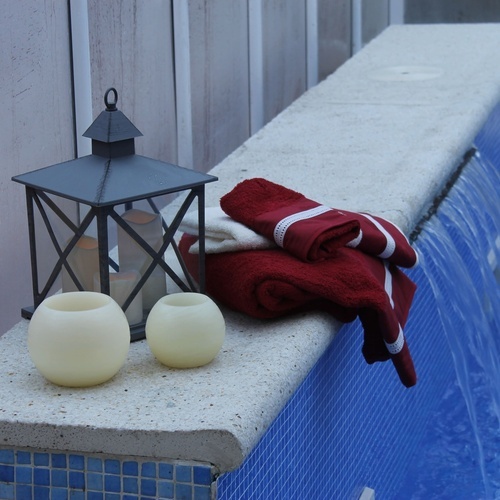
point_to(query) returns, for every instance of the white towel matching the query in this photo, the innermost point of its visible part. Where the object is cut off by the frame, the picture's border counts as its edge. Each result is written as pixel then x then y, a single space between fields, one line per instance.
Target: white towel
pixel 223 234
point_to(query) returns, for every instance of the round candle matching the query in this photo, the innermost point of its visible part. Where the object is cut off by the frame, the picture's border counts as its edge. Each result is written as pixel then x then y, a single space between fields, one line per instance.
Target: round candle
pixel 78 339
pixel 185 330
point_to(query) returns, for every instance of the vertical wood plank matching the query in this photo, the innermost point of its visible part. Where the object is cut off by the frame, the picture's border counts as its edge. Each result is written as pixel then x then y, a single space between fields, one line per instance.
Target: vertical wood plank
pixel 218 51
pixel 256 65
pixel 36 128
pixel 396 11
pixel 131 49
pixel 284 46
pixel 82 83
pixel 375 18
pixel 312 40
pixel 182 54
pixel 334 35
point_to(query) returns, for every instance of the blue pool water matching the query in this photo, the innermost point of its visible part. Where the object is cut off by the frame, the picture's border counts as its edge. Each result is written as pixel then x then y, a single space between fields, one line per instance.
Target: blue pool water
pixel 459 456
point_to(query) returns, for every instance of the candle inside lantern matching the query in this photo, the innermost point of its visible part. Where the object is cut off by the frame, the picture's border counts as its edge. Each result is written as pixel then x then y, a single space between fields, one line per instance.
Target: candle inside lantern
pixel 84 261
pixel 120 286
pixel 133 257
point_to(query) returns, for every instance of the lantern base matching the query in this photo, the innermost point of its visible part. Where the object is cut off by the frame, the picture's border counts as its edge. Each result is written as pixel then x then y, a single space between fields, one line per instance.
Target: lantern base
pixel 137 332
pixel 27 312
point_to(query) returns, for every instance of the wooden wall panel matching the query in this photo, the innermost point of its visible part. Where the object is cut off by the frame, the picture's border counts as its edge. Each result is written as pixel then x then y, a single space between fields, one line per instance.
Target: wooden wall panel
pixel 36 128
pixel 131 49
pixel 214 70
pixel 375 18
pixel 334 35
pixel 284 54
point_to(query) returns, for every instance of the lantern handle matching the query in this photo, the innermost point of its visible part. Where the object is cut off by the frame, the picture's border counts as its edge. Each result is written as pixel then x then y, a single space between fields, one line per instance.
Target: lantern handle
pixel 111 106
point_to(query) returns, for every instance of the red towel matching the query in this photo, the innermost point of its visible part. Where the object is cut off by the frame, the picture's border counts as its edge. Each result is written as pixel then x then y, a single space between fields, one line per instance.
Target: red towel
pixel 311 231
pixel 272 283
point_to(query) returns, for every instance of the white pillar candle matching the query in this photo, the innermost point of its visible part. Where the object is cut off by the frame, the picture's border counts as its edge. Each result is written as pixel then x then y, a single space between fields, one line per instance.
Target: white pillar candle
pixel 120 286
pixel 131 256
pixel 84 261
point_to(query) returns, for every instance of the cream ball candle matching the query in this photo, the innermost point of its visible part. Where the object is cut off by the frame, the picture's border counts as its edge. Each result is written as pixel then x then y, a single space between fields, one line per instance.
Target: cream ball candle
pixel 185 330
pixel 78 339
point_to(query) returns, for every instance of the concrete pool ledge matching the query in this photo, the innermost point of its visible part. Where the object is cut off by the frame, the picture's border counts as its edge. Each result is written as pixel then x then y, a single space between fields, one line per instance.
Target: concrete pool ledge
pixel 383 134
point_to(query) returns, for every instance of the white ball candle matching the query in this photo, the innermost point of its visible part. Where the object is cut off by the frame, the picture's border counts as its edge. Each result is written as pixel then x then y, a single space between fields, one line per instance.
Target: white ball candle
pixel 185 330
pixel 78 339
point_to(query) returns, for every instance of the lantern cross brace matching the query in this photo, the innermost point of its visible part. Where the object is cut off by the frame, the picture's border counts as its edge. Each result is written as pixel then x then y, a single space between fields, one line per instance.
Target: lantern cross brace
pixel 36 196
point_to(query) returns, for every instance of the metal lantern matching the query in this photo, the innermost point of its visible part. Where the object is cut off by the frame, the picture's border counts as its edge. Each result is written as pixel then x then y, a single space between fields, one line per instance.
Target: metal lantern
pixel 129 264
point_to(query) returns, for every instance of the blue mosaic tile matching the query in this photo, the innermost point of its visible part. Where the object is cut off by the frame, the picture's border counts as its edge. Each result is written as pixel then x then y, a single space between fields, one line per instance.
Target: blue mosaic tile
pixel 201 493
pixel 41 459
pixel 94 495
pixel 23 491
pixel 58 460
pixel 23 457
pixel 148 469
pixel 7 473
pixel 112 496
pixel 94 464
pixel 58 478
pixel 130 497
pixel 7 491
pixel 7 456
pixel 183 491
pixel 202 475
pixel 76 480
pixel 95 481
pixel 41 493
pixel 148 487
pixel 112 483
pixel 165 489
pixel 24 475
pixel 41 477
pixel 59 494
pixel 130 468
pixel 112 466
pixel 77 462
pixel 76 495
pixel 166 471
pixel 130 485
pixel 183 473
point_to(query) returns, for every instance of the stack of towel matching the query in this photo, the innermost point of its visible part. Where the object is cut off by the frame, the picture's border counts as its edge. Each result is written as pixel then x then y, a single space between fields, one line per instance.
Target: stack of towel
pixel 271 251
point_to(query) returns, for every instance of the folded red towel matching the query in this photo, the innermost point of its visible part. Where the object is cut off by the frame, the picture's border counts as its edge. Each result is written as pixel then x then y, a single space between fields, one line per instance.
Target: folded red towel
pixel 272 283
pixel 311 231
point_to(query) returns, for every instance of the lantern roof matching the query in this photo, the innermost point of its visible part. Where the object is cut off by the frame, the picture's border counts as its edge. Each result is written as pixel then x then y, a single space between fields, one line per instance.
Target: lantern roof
pixel 113 173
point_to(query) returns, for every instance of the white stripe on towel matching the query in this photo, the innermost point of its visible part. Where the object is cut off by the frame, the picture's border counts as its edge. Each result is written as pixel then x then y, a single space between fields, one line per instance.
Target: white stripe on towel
pixel 396 347
pixel 283 225
pixel 390 245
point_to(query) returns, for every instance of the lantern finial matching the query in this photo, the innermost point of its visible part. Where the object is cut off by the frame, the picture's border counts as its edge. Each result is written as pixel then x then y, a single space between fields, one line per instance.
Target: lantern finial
pixel 110 106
